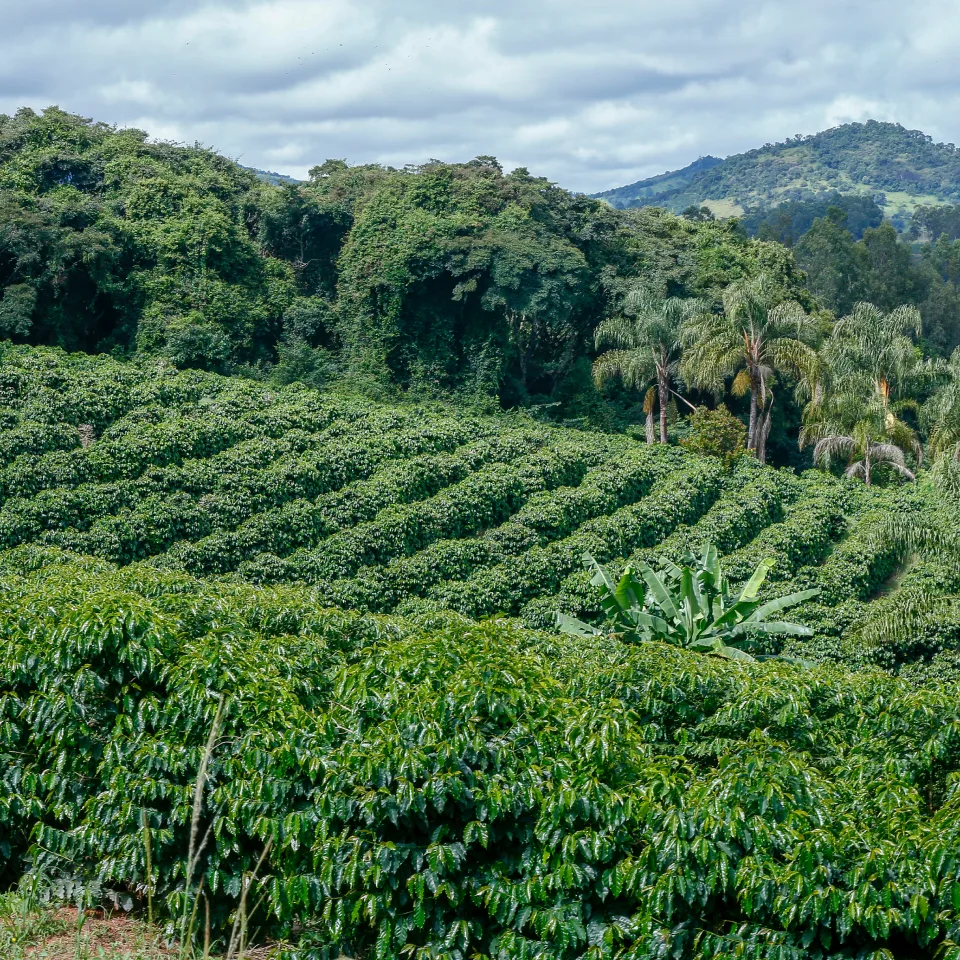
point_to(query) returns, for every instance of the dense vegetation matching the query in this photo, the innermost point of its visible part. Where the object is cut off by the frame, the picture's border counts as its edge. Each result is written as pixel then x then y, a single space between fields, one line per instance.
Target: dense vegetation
pixel 442 277
pixel 413 508
pixel 438 787
pixel 899 166
pixel 251 626
pixel 850 254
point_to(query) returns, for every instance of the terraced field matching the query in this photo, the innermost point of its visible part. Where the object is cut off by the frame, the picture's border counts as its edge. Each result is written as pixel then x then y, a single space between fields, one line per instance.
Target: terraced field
pixel 407 509
pixel 420 774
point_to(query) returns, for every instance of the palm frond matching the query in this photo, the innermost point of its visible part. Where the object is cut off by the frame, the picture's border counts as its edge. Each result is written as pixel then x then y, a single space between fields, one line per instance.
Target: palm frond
pixel 617 332
pixel 633 367
pixel 827 448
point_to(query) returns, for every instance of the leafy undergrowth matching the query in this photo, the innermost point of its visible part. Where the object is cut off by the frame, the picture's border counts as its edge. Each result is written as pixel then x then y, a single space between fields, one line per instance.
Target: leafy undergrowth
pixel 438 787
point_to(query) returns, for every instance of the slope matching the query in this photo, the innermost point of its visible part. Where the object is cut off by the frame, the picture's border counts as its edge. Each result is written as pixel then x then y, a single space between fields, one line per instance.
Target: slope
pixel 411 508
pixel 646 191
pixel 901 168
pixel 437 787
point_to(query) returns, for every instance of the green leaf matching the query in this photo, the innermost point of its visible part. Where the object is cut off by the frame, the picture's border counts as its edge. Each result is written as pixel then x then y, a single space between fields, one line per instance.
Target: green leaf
pixel 753 585
pixel 577 628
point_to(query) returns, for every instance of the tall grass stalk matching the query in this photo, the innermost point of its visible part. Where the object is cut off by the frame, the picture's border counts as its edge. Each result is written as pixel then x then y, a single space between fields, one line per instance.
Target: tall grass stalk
pixel 196 848
pixel 148 854
pixel 237 946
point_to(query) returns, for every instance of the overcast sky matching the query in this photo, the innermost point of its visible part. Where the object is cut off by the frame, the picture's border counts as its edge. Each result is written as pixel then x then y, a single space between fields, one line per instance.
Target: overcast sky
pixel 590 93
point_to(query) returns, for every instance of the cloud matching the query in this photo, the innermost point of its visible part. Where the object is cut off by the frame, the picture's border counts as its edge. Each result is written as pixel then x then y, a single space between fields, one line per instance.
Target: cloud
pixel 590 95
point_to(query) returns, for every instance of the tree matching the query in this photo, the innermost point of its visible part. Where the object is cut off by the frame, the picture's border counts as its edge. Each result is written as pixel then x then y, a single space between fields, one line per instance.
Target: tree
pixel 890 274
pixel 856 422
pixel 758 335
pixel 689 606
pixel 646 344
pixel 941 414
pixel 879 346
pixel 833 263
pixel 870 373
pixel 716 433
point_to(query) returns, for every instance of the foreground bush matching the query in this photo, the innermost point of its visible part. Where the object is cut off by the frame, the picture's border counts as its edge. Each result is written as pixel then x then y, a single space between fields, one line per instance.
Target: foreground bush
pixel 450 789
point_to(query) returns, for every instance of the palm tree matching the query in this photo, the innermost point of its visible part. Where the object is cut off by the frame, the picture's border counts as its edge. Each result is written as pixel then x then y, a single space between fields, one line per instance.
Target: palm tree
pixel 856 421
pixel 870 370
pixel 941 413
pixel 645 344
pixel 878 345
pixel 758 335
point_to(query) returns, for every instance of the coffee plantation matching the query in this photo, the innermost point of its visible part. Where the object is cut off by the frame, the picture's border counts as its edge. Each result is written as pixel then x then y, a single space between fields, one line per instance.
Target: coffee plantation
pixel 370 591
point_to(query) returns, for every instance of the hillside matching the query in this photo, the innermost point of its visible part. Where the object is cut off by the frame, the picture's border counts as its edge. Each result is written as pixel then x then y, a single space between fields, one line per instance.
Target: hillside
pixel 271 177
pixel 426 769
pixel 409 508
pixel 645 192
pixel 901 168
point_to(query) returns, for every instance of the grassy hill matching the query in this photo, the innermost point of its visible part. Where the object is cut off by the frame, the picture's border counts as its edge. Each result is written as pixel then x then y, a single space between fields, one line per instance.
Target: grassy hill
pixel 901 168
pixel 428 773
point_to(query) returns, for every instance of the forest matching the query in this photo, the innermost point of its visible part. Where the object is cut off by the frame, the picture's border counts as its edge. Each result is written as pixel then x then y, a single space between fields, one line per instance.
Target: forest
pixel 439 280
pixel 435 563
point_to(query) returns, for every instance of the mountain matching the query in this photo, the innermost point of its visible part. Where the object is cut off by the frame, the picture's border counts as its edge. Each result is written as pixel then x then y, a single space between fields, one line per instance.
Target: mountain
pixel 901 169
pixel 643 192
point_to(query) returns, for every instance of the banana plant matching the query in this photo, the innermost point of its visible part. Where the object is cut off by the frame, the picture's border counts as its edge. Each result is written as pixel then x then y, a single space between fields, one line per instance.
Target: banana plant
pixel 689 605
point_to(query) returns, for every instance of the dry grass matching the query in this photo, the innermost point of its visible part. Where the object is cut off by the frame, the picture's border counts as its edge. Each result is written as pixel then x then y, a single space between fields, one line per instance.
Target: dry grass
pixel 101 937
pixel 61 934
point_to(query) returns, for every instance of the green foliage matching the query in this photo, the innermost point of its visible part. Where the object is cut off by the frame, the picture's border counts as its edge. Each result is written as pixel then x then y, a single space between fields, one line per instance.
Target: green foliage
pixel 716 433
pixel 441 279
pixel 870 366
pixel 395 508
pixel 759 336
pixel 440 785
pixel 429 778
pixel 109 240
pixel 869 158
pixel 689 605
pixel 789 221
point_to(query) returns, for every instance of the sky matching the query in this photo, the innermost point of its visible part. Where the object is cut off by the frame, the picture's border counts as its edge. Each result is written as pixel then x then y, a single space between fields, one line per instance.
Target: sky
pixel 589 93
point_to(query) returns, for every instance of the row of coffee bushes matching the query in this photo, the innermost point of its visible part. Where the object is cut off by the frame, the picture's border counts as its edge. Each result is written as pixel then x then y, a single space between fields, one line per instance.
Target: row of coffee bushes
pixel 452 788
pixel 237 482
pixel 304 522
pixel 174 439
pixel 546 516
pixel 329 463
pixel 677 497
pixel 752 498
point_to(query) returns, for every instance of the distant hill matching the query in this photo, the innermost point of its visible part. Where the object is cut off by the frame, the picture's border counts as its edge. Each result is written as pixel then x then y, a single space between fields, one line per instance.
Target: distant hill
pixel 901 169
pixel 269 176
pixel 647 192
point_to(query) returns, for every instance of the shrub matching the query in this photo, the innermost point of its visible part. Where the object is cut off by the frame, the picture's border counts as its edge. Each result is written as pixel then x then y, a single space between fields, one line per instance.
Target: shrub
pixel 716 433
pixel 442 785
